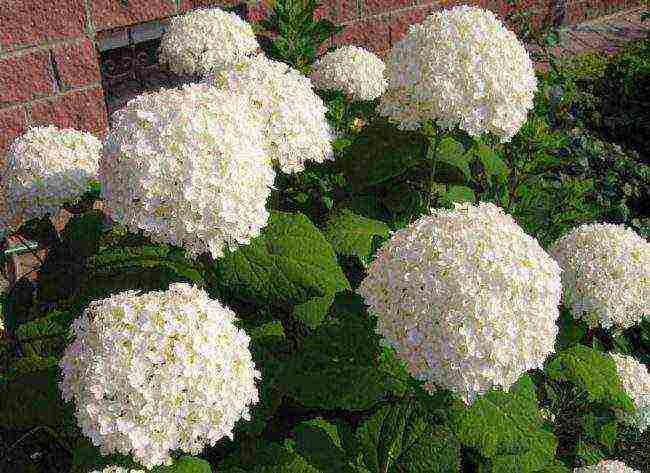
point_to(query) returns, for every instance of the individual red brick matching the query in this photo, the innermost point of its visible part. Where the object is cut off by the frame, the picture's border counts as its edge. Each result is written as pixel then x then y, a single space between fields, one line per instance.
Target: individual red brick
pixel 13 123
pixel 375 7
pixel 400 22
pixel 26 77
pixel 370 34
pixel 345 10
pixel 78 64
pixel 111 13
pixel 27 23
pixel 83 110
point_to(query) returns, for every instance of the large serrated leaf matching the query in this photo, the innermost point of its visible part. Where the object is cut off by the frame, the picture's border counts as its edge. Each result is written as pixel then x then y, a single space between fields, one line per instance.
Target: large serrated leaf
pixel 344 348
pixel 500 424
pixel 318 441
pixel 380 153
pixel 451 152
pixel 399 438
pixel 288 264
pixel 591 370
pixel 493 164
pixel 351 234
pixel 313 312
pixel 261 457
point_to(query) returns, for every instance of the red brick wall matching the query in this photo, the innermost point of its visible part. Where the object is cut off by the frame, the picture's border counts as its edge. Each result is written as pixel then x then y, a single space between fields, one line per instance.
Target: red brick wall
pixel 50 74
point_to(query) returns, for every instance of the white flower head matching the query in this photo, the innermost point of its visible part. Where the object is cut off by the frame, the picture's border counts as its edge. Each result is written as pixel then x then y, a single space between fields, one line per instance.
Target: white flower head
pixel 117 469
pixel 636 383
pixel 293 116
pixel 451 69
pixel 205 40
pixel 355 71
pixel 45 168
pixel 606 466
pixel 188 168
pixel 466 298
pixel 606 275
pixel 155 372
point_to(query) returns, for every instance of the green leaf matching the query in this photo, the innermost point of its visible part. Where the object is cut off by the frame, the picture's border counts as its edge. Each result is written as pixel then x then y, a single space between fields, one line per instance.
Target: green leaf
pixel 341 143
pixel 314 311
pixel 608 435
pixel 571 330
pixel 399 438
pixel 33 399
pixel 351 234
pixel 589 454
pixel 556 466
pixel 493 164
pixel 318 441
pixel 261 457
pixel 592 371
pixel 289 263
pixel 507 428
pixel 458 194
pixel 83 232
pixel 452 152
pixel 380 153
pixel 343 348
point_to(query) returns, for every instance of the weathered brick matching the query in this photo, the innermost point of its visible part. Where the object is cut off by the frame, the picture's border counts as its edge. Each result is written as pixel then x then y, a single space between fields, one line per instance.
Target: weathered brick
pixel 400 22
pixel 26 77
pixel 257 13
pixel 375 7
pixel 78 64
pixel 111 13
pixel 81 109
pixel 13 123
pixel 27 23
pixel 370 34
pixel 346 10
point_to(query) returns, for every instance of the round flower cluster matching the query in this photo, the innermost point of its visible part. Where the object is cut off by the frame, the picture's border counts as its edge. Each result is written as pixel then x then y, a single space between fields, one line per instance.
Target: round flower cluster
pixel 117 469
pixel 152 373
pixel 606 466
pixel 296 128
pixel 205 40
pixel 606 275
pixel 352 70
pixel 45 168
pixel 188 168
pixel 450 69
pixel 636 382
pixel 466 298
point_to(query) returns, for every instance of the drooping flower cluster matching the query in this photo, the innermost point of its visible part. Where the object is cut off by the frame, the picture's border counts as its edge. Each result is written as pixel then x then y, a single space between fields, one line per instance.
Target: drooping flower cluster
pixel 466 298
pixel 636 383
pixel 152 373
pixel 606 466
pixel 205 40
pixel 296 128
pixel 45 168
pixel 188 168
pixel 353 70
pixel 606 275
pixel 450 68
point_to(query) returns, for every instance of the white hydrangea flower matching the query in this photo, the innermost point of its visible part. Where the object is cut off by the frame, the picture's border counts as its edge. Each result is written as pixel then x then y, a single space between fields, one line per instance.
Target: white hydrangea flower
pixel 636 383
pixel 296 128
pixel 452 69
pixel 155 372
pixel 606 275
pixel 466 298
pixel 44 168
pixel 606 466
pixel 188 168
pixel 355 71
pixel 117 469
pixel 205 40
